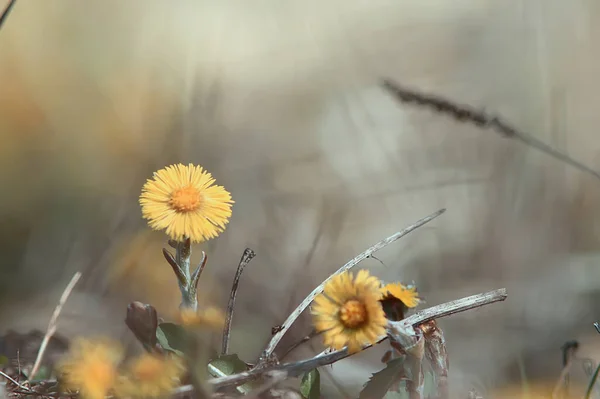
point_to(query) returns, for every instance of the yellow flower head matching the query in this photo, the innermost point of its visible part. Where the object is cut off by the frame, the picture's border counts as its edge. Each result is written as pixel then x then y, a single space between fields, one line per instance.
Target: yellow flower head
pixel 91 367
pixel 348 312
pixel 397 298
pixel 183 201
pixel 210 317
pixel 150 376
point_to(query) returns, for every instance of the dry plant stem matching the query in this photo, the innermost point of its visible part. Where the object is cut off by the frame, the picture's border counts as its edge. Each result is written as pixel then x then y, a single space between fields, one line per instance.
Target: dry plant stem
pixel 410 341
pixel 459 305
pixel 436 354
pixel 323 359
pixel 247 256
pixel 416 388
pixel 590 388
pixel 9 378
pixel 275 377
pixel 54 323
pixel 481 119
pixel 6 11
pixel 266 355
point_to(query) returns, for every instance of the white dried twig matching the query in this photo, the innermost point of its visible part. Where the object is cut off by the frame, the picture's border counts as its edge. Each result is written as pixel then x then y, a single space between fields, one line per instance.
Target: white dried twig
pixel 9 378
pixel 54 323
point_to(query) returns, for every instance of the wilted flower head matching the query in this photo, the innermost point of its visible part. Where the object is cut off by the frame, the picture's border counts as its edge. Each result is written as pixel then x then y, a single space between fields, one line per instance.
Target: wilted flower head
pixel 150 376
pixel 348 311
pixel 397 298
pixel 183 201
pixel 90 367
pixel 407 294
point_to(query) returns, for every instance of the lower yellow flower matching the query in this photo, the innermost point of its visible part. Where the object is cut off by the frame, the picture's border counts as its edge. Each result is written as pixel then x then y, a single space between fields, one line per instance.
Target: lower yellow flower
pixel 91 367
pixel 210 317
pixel 348 312
pixel 150 376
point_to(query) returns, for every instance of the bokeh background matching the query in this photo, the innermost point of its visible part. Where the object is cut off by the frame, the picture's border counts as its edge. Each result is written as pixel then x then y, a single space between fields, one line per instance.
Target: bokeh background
pixel 280 100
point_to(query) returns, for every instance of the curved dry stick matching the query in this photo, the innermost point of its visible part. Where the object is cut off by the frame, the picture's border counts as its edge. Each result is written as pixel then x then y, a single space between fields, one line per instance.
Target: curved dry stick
pixel 54 322
pixel 247 256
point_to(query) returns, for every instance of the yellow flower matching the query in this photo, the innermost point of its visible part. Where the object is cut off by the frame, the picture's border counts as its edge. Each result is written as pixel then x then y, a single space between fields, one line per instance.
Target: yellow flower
pixel 209 317
pixel 408 295
pixel 150 376
pixel 183 201
pixel 397 298
pixel 91 367
pixel 348 311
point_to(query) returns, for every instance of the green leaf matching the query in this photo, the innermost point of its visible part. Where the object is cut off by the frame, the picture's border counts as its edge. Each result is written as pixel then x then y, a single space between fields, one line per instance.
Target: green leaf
pixel 228 365
pixel 380 382
pixel 172 337
pixel 311 385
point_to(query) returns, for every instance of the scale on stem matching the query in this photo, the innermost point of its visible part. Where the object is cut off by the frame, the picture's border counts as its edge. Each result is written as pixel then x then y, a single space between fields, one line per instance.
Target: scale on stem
pixel 181 265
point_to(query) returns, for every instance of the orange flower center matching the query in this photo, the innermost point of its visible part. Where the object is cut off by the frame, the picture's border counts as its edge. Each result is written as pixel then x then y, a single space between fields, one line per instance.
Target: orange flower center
pixel 353 314
pixel 186 199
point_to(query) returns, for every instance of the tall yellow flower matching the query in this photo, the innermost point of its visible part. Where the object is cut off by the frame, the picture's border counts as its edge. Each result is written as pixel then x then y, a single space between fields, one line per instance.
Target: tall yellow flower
pixel 397 298
pixel 348 311
pixel 183 201
pixel 150 376
pixel 91 367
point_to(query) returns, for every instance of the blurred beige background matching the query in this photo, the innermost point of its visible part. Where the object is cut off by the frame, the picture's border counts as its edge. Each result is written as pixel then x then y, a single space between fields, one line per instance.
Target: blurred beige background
pixel 280 101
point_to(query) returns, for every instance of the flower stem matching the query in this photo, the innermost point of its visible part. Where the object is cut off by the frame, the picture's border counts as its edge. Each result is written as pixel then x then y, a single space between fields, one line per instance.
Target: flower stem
pixel 183 255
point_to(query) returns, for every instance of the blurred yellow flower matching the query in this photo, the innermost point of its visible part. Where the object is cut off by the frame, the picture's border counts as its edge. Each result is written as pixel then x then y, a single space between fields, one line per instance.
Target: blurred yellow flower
pixel 90 367
pixel 183 201
pixel 150 376
pixel 348 312
pixel 210 317
pixel 539 389
pixel 408 295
